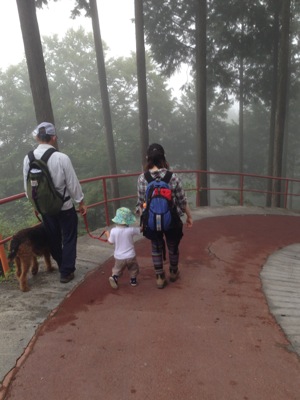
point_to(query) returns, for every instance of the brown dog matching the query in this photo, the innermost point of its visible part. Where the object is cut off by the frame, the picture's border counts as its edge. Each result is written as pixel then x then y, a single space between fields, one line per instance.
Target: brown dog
pixel 25 246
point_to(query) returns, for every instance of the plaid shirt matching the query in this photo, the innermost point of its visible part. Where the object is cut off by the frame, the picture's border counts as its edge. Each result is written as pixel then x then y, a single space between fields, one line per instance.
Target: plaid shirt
pixel 175 184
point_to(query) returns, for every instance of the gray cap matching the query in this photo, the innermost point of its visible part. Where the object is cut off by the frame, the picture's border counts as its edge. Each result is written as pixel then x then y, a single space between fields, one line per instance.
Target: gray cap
pixel 49 129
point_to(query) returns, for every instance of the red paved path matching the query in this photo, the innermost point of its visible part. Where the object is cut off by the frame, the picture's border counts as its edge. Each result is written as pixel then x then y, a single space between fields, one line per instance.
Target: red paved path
pixel 209 336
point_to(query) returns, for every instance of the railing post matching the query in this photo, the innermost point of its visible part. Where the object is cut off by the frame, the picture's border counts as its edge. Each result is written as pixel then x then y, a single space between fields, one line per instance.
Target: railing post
pixel 241 190
pixel 286 192
pixel 198 189
pixel 3 258
pixel 105 202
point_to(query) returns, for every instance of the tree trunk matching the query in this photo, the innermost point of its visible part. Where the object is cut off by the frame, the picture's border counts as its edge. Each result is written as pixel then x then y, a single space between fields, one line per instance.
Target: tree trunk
pixel 285 151
pixel 281 101
pixel 35 61
pixel 104 98
pixel 273 102
pixel 141 76
pixel 241 116
pixel 241 99
pixel 201 107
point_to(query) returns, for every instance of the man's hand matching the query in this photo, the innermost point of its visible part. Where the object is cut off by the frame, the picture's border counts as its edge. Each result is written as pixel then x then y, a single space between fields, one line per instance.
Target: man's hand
pixel 82 208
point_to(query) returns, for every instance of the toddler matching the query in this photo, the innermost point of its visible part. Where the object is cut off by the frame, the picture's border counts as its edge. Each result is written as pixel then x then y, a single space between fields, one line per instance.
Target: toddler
pixel 121 236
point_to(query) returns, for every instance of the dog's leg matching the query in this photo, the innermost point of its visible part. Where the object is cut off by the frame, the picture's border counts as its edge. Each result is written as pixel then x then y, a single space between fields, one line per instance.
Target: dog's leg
pixel 35 265
pixel 25 267
pixel 47 259
pixel 18 266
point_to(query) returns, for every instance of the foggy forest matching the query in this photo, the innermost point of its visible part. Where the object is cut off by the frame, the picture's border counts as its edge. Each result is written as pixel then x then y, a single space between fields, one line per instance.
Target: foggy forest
pixel 237 112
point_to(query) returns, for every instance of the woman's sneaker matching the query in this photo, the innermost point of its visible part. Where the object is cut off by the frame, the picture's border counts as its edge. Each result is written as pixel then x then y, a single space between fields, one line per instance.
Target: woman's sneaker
pixel 133 282
pixel 113 280
pixel 161 281
pixel 174 275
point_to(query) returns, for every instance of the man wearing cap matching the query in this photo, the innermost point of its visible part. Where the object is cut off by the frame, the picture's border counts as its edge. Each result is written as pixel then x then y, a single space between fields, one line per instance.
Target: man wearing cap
pixel 61 228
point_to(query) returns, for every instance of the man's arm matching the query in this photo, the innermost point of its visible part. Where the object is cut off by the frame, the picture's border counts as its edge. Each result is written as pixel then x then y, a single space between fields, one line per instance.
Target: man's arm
pixel 25 172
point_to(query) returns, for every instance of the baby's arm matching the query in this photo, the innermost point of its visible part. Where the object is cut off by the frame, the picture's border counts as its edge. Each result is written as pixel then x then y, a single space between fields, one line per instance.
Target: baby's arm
pixel 107 234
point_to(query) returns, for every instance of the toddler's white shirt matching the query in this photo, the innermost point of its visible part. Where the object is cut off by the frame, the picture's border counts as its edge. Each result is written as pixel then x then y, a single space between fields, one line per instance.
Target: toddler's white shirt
pixel 122 238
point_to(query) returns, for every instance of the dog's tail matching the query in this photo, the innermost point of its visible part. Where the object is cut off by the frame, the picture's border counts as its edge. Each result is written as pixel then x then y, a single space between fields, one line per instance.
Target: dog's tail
pixel 14 247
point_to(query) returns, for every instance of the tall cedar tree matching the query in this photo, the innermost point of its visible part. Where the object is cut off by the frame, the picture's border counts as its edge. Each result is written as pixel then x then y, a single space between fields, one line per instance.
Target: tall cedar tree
pixel 35 61
pixel 201 106
pixel 142 77
pixel 90 7
pixel 281 100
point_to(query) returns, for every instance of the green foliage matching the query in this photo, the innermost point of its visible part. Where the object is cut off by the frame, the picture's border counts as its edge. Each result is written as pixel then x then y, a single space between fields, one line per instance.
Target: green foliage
pixel 16 113
pixel 15 216
pixel 75 94
pixel 239 34
pixel 81 5
pixel 169 29
pixel 41 3
pixel 9 276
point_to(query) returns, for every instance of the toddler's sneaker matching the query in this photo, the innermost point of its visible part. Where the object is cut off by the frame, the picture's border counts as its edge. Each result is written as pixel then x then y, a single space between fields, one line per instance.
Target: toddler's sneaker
pixel 133 282
pixel 113 280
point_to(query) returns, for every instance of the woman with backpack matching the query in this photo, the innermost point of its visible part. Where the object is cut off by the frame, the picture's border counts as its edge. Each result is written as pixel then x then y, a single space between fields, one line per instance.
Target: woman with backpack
pixel 161 224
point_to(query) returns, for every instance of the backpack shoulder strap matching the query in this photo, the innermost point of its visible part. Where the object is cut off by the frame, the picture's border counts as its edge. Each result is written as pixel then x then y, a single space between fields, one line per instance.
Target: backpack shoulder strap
pixel 48 153
pixel 31 156
pixel 45 157
pixel 148 176
pixel 167 177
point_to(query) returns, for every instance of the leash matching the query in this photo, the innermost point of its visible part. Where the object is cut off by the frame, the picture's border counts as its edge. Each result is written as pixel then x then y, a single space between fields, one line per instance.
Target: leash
pixel 89 233
pixel 37 215
pixel 86 227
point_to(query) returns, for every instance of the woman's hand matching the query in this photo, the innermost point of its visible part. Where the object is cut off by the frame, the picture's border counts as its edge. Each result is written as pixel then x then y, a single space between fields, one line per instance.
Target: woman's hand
pixel 189 221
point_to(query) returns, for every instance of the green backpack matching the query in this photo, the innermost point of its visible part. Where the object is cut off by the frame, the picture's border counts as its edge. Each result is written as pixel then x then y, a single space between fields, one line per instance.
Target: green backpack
pixel 40 188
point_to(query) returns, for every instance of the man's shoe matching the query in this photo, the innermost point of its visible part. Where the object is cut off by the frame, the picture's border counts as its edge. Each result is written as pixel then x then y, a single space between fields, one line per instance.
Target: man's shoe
pixel 133 282
pixel 161 281
pixel 113 280
pixel 67 278
pixel 174 275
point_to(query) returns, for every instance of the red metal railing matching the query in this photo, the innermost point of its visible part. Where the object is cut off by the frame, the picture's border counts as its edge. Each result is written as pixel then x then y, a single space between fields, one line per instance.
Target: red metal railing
pixel 241 188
